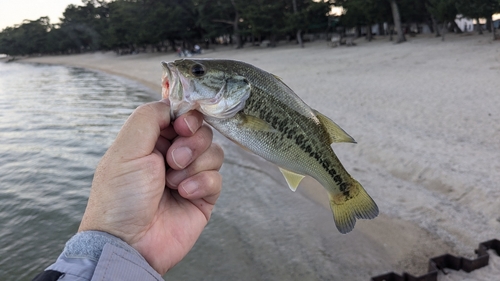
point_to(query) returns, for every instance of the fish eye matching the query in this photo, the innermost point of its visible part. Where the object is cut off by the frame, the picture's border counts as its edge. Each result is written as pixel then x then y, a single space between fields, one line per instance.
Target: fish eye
pixel 198 70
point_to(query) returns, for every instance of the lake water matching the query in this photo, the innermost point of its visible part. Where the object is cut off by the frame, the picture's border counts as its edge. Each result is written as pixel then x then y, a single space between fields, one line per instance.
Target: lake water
pixel 55 124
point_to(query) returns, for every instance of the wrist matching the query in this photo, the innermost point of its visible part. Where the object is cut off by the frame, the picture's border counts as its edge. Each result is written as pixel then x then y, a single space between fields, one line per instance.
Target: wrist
pixel 90 255
pixel 89 244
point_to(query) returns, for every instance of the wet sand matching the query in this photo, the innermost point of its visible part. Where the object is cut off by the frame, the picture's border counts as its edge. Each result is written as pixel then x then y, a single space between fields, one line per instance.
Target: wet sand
pixel 426 118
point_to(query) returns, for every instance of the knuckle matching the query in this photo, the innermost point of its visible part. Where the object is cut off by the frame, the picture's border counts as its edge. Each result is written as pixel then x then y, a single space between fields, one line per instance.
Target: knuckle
pixel 148 109
pixel 203 139
pixel 218 151
pixel 154 170
pixel 214 180
pixel 208 181
pixel 144 108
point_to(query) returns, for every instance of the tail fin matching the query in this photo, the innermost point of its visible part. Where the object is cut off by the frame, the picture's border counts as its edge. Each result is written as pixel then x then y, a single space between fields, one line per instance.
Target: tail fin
pixel 347 208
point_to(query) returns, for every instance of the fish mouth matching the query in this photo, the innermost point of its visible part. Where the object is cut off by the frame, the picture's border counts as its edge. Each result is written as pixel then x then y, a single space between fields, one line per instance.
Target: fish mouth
pixel 169 84
pixel 184 96
pixel 167 77
pixel 175 88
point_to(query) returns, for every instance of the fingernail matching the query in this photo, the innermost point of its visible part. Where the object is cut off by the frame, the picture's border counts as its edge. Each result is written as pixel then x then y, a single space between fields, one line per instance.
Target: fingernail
pixel 190 187
pixel 182 156
pixel 191 122
pixel 176 177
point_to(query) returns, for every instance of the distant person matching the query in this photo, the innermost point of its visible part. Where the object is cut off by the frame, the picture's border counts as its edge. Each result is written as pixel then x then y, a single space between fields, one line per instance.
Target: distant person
pixel 183 53
pixel 180 53
pixel 140 220
pixel 197 49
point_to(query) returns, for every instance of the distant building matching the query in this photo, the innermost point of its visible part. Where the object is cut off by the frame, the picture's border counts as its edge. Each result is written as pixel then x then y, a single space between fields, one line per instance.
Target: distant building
pixel 465 24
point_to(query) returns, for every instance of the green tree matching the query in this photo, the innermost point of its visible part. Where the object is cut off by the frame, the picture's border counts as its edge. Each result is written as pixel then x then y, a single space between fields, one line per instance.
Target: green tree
pixel 220 18
pixel 168 21
pixel 365 13
pixel 477 9
pixel 58 42
pixel 415 12
pixel 306 15
pixel 355 12
pixel 445 11
pixel 297 18
pixel 123 29
pixel 131 24
pixel 134 23
pixel 28 38
pixel 216 17
pixel 471 9
pixel 265 18
pixel 397 21
pixel 85 25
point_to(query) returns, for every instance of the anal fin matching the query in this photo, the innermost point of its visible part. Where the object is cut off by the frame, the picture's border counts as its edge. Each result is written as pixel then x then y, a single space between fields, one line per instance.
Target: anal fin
pixel 293 179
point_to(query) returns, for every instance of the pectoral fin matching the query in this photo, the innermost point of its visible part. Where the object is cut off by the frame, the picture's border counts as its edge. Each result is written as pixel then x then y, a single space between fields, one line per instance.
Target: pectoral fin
pixel 293 179
pixel 336 133
pixel 250 122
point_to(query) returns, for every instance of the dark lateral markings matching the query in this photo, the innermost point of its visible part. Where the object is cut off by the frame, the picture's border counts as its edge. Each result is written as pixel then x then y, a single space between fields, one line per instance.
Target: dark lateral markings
pixel 439 263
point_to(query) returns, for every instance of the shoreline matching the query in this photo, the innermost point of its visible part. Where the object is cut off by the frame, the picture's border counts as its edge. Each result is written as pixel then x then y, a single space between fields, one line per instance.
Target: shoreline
pixel 93 61
pixel 414 155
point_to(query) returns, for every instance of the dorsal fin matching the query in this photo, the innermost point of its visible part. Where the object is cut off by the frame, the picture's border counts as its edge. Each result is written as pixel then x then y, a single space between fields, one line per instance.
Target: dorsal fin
pixel 336 133
pixel 277 77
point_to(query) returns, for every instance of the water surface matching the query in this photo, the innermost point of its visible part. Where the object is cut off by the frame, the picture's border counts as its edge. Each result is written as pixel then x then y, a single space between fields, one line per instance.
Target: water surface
pixel 55 124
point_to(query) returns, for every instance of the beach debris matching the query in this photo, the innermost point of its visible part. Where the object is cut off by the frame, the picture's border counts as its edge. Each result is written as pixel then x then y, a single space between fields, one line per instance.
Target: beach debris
pixel 440 263
pixel 258 111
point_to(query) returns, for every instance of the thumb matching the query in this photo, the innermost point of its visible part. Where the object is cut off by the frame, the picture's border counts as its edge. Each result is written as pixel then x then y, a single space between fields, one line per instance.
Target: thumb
pixel 139 134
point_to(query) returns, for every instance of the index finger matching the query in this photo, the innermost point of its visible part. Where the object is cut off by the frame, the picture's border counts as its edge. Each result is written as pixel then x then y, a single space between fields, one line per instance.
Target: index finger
pixel 138 136
pixel 188 123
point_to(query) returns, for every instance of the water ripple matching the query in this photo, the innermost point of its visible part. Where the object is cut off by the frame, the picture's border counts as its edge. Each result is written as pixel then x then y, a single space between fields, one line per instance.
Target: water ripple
pixel 55 124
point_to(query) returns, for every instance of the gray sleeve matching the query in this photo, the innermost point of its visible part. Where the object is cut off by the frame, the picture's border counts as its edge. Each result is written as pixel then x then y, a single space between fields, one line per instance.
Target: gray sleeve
pixel 119 264
pixel 95 255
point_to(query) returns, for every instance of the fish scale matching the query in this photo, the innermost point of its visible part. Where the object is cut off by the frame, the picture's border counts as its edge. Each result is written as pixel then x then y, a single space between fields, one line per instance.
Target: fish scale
pixel 256 110
pixel 285 121
pixel 286 124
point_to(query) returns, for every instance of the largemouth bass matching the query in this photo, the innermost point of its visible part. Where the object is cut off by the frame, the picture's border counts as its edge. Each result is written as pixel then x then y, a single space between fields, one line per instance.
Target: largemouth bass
pixel 258 111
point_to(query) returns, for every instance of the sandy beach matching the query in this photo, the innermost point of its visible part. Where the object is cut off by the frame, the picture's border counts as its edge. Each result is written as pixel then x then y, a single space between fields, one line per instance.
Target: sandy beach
pixel 426 118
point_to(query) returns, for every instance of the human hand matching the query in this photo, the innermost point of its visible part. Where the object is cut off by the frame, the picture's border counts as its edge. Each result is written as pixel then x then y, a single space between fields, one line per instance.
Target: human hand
pixel 160 214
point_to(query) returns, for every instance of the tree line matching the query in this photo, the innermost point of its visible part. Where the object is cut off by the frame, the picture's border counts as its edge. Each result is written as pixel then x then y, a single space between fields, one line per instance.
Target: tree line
pixel 169 24
pixel 163 24
pixel 439 15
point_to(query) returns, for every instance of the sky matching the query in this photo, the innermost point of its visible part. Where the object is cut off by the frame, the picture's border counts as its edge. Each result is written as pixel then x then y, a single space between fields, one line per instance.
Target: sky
pixel 15 11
